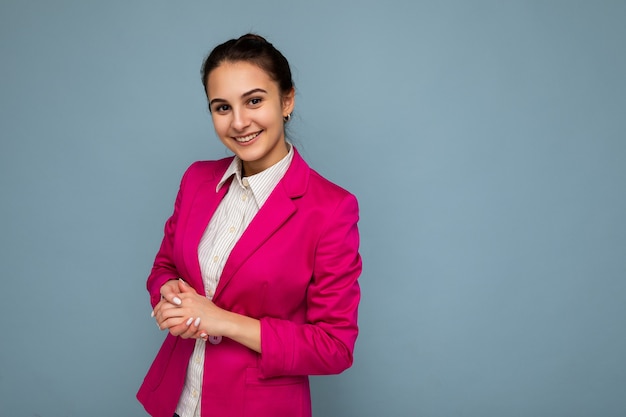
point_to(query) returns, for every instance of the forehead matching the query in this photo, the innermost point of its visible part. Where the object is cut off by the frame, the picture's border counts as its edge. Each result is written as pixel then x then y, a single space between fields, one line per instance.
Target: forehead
pixel 232 79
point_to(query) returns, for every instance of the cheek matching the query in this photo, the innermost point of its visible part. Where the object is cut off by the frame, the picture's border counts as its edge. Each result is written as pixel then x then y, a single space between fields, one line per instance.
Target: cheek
pixel 273 117
pixel 220 124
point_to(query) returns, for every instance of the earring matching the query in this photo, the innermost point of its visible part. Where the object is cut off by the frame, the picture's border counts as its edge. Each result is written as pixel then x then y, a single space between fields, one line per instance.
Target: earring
pixel 287 118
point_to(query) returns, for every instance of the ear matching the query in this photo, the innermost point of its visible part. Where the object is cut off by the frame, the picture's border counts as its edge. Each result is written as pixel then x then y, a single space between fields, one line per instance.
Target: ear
pixel 289 101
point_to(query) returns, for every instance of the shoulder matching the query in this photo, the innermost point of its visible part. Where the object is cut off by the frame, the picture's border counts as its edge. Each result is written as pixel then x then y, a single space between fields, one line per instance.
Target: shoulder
pixel 209 167
pixel 305 182
pixel 319 184
pixel 201 171
pixel 329 199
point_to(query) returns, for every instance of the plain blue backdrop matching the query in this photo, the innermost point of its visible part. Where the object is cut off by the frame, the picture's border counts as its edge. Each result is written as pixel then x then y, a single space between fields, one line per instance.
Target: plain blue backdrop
pixel 485 140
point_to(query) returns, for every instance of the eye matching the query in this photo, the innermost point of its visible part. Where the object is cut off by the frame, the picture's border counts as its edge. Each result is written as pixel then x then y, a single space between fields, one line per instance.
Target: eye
pixel 223 108
pixel 255 101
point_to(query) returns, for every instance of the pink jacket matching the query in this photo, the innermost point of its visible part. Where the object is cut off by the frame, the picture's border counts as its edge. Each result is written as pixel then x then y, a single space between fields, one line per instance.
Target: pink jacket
pixel 295 269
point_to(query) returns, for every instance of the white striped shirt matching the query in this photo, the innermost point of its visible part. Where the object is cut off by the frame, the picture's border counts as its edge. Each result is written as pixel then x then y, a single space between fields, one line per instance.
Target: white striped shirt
pixel 233 215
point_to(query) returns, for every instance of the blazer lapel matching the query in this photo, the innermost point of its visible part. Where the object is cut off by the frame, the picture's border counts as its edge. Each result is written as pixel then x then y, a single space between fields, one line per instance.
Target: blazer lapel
pixel 278 208
pixel 206 200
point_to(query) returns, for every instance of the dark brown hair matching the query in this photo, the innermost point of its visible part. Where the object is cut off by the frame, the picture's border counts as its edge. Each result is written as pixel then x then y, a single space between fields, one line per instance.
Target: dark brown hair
pixel 253 49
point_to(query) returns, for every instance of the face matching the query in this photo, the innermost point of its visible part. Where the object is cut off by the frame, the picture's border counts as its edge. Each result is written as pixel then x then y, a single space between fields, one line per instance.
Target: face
pixel 247 108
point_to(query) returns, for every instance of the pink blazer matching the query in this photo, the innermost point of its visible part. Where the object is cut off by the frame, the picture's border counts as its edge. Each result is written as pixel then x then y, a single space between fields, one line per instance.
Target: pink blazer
pixel 295 269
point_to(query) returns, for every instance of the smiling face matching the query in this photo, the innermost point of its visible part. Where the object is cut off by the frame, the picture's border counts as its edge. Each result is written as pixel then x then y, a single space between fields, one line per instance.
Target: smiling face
pixel 248 108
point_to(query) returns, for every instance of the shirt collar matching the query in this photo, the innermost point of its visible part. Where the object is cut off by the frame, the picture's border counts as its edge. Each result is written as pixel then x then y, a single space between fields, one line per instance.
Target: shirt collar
pixel 260 184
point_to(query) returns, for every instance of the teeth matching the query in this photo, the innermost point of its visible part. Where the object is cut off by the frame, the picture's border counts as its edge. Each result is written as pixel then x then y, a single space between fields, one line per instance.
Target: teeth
pixel 248 138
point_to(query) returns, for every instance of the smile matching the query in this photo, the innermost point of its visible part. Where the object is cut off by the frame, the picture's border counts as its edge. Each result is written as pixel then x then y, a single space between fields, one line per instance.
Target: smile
pixel 248 138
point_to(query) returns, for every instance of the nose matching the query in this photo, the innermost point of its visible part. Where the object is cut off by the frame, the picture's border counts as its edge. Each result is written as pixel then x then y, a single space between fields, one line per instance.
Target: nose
pixel 240 119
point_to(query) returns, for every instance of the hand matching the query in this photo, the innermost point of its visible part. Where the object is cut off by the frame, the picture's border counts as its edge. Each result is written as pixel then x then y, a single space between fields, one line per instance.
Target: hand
pixel 168 314
pixel 169 291
pixel 215 321
pixel 208 319
pixel 197 317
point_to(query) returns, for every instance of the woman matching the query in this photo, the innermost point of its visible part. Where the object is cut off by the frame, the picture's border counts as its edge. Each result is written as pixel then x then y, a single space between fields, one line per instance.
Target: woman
pixel 256 277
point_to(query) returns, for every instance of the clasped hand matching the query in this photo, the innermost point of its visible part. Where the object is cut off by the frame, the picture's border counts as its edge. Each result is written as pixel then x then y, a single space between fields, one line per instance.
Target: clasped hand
pixel 187 314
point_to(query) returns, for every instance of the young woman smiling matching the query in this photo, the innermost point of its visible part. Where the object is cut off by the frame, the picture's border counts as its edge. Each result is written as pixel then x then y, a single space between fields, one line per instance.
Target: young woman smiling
pixel 256 277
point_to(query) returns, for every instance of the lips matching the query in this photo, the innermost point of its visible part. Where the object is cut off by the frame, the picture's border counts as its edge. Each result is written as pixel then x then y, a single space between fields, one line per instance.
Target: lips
pixel 247 138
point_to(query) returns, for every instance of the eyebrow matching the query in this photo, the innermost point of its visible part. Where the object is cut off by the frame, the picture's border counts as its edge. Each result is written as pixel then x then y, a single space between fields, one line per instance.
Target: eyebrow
pixel 244 95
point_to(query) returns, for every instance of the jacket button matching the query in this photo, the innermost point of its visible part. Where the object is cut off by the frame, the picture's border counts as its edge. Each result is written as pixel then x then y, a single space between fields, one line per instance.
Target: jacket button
pixel 215 340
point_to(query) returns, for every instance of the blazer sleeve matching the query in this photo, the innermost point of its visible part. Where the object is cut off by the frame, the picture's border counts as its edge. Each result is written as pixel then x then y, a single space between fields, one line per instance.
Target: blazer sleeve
pixel 325 343
pixel 164 267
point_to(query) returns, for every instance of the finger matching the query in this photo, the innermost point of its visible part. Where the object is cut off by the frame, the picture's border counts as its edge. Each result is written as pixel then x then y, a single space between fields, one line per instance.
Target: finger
pixel 193 331
pixel 185 288
pixel 187 334
pixel 170 311
pixel 193 327
pixel 157 308
pixel 169 292
pixel 168 288
pixel 172 299
pixel 172 323
pixel 179 329
pixel 189 329
pixel 170 316
pixel 201 334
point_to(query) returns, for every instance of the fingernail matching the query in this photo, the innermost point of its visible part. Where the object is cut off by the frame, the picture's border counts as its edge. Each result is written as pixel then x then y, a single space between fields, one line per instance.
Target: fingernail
pixel 177 301
pixel 158 326
pixel 197 323
pixel 152 313
pixel 182 280
pixel 189 321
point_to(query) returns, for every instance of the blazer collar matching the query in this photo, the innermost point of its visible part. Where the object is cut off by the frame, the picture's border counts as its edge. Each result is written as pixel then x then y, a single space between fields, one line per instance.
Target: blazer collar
pixel 296 179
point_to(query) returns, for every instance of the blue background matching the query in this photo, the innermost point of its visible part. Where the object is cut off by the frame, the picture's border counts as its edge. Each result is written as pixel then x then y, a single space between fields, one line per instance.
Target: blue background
pixel 486 142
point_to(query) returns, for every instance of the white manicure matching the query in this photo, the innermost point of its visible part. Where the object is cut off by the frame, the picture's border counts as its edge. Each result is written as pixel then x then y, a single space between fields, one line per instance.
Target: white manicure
pixel 197 323
pixel 189 321
pixel 177 301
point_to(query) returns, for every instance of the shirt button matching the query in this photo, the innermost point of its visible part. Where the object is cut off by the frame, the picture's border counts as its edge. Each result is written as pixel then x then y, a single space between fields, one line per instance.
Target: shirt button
pixel 194 394
pixel 232 229
pixel 216 258
pixel 244 197
pixel 198 360
pixel 215 340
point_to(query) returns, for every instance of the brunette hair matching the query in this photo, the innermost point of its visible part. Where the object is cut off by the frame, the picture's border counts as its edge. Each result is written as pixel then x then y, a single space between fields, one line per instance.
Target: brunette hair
pixel 253 49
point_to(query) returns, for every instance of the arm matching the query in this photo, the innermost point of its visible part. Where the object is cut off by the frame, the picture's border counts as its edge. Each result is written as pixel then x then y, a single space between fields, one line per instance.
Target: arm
pixel 163 281
pixel 164 270
pixel 325 343
pixel 197 317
